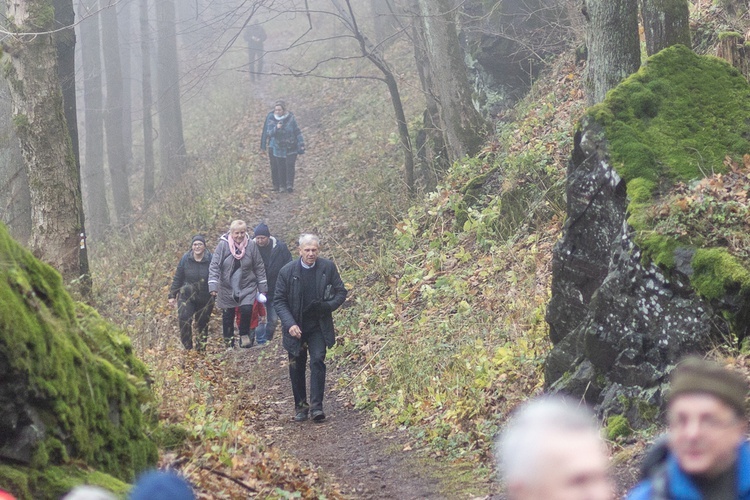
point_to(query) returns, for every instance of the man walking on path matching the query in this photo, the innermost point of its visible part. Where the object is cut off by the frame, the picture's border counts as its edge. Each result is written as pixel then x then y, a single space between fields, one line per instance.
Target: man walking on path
pixel 307 291
pixel 275 255
pixel 552 449
pixel 708 455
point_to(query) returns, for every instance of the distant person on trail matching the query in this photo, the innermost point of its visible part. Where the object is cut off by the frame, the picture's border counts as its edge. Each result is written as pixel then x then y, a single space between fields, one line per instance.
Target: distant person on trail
pixel 552 449
pixel 707 455
pixel 190 290
pixel 236 277
pixel 307 291
pixel 255 35
pixel 283 139
pixel 275 255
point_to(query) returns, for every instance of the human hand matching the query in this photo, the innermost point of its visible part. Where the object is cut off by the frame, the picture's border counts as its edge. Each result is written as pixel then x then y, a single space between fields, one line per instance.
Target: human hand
pixel 295 332
pixel 301 151
pixel 172 302
pixel 213 293
pixel 278 125
pixel 262 298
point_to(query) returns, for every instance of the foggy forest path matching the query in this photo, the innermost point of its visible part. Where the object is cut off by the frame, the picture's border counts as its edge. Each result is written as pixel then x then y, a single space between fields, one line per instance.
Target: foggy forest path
pixel 365 463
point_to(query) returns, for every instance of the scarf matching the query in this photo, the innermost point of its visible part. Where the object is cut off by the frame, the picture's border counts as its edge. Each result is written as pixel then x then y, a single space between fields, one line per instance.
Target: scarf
pixel 238 250
pixel 280 117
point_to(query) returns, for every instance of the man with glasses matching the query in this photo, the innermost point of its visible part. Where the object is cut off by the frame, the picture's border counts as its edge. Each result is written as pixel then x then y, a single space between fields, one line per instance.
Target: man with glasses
pixel 708 454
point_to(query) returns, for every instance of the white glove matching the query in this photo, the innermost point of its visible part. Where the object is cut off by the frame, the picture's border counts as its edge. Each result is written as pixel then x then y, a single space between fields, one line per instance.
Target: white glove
pixel 262 298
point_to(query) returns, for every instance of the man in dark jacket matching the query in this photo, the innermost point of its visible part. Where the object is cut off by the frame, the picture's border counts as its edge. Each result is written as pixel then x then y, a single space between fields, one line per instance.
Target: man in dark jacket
pixel 307 291
pixel 255 35
pixel 275 255
pixel 708 455
pixel 190 286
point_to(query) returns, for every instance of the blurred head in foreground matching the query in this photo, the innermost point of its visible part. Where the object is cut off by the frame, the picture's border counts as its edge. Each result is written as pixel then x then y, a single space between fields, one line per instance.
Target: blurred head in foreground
pixel 552 450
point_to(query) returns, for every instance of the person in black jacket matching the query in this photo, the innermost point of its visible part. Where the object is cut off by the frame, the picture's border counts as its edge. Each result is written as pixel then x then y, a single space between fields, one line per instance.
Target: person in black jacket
pixel 307 291
pixel 275 255
pixel 190 288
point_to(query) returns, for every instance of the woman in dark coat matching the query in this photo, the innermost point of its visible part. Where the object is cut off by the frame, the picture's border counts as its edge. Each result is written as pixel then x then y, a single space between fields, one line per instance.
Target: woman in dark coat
pixel 236 277
pixel 283 138
pixel 190 290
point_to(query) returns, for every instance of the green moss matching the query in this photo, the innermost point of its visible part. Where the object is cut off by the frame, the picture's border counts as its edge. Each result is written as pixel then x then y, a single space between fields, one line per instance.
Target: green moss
pixel 618 426
pixel 730 34
pixel 84 382
pixel 170 436
pixel 717 273
pixel 677 119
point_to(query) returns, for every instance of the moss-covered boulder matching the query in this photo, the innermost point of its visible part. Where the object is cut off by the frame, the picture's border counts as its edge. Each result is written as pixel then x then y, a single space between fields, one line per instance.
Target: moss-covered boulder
pixel 653 262
pixel 72 394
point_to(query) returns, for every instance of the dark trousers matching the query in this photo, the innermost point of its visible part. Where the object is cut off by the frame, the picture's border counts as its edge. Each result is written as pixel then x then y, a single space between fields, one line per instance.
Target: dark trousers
pixel 256 62
pixel 315 344
pixel 227 323
pixel 200 309
pixel 282 171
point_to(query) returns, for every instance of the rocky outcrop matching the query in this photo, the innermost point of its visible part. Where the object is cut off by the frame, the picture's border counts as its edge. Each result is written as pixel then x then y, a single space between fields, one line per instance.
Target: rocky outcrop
pixel 618 321
pixel 71 390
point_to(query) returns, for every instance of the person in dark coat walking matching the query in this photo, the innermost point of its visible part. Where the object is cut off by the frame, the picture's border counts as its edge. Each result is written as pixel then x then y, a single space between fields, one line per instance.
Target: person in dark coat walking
pixel 283 139
pixel 190 290
pixel 255 35
pixel 307 291
pixel 275 255
pixel 237 277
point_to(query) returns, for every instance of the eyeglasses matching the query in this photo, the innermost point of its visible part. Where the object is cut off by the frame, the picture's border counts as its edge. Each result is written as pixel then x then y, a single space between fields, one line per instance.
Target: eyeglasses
pixel 704 422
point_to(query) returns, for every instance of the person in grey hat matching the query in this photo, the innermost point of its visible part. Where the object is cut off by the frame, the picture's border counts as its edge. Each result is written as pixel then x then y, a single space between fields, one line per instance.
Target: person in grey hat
pixel 275 255
pixel 190 291
pixel 707 453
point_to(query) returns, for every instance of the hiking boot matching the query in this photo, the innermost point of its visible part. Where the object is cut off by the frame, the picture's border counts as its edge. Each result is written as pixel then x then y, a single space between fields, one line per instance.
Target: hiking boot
pixel 318 415
pixel 301 415
pixel 290 189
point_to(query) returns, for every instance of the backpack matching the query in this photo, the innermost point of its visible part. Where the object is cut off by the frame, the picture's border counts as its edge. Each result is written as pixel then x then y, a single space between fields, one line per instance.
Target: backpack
pixel 654 468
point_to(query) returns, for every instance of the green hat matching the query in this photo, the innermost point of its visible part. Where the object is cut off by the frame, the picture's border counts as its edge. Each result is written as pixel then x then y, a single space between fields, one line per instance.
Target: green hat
pixel 695 374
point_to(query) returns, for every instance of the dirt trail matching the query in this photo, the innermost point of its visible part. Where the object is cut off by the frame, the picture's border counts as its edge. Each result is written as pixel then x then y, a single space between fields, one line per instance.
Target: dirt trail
pixel 365 463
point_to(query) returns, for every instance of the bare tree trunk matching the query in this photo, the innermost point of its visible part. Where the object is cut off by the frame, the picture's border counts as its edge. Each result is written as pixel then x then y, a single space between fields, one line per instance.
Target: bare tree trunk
pixel 733 49
pixel 614 50
pixel 54 183
pixel 148 126
pixel 94 178
pixel 462 124
pixel 116 157
pixel 124 15
pixel 65 43
pixel 171 140
pixel 665 23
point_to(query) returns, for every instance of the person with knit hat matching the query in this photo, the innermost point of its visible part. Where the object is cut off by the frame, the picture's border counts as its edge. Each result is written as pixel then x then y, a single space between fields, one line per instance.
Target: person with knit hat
pixel 190 291
pixel 275 255
pixel 708 455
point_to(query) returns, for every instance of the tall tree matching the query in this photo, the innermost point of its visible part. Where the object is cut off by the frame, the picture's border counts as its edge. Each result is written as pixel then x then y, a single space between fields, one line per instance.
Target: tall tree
pixel 57 211
pixel 124 15
pixel 665 23
pixel 116 157
pixel 65 42
pixel 148 134
pixel 94 178
pixel 614 50
pixel 463 127
pixel 171 140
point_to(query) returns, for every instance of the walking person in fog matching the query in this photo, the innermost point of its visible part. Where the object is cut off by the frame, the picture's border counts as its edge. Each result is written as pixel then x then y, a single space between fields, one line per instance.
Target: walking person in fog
pixel 255 35
pixel 275 255
pixel 236 277
pixel 190 290
pixel 308 290
pixel 283 139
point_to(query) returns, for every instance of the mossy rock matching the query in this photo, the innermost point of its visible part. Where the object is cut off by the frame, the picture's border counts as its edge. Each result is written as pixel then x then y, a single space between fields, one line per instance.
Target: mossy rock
pixel 676 120
pixel 72 393
pixel 618 426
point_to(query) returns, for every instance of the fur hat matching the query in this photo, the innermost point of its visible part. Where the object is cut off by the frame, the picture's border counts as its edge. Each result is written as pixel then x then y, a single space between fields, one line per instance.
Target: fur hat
pixel 261 230
pixel 694 374
pixel 198 237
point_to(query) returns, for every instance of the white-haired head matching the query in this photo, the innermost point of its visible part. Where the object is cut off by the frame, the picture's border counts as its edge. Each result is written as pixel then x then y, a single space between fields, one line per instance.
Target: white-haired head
pixel 307 239
pixel 543 439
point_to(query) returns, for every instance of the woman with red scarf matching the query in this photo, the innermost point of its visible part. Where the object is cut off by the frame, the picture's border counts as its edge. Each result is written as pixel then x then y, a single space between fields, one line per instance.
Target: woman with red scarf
pixel 236 277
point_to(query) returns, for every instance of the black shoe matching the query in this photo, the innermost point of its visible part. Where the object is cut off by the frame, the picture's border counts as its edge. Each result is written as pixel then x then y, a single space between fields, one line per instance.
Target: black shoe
pixel 301 415
pixel 318 415
pixel 289 190
pixel 275 189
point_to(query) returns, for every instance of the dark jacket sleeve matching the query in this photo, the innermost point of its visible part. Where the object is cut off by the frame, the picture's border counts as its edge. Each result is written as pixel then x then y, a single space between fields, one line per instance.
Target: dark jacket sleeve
pixel 264 134
pixel 298 134
pixel 338 288
pixel 179 278
pixel 281 298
